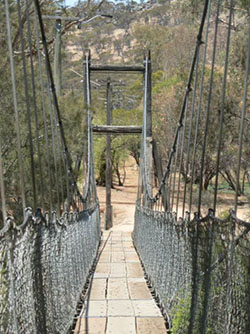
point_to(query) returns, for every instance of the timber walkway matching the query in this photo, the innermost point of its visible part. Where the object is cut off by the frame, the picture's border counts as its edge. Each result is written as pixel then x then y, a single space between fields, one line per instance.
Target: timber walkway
pixel 118 299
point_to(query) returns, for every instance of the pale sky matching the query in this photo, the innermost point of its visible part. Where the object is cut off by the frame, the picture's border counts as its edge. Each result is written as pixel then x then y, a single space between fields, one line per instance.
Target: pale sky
pixel 70 2
pixel 73 2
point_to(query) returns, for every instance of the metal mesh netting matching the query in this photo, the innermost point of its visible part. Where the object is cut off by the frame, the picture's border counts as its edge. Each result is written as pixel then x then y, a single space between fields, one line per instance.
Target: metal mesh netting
pixel 200 270
pixel 42 271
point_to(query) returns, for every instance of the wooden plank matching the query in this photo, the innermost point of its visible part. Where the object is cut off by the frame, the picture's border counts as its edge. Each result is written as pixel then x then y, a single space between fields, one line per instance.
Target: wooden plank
pixel 130 251
pixel 116 68
pixel 128 245
pixel 117 289
pixel 139 290
pixel 119 325
pixel 117 129
pixel 118 308
pixel 126 235
pixel 97 289
pixel 118 270
pixel 150 325
pixel 118 257
pixel 127 298
pixel 95 308
pixel 90 326
pixel 134 270
pixel 102 270
pixel 131 257
pixel 146 308
pixel 105 257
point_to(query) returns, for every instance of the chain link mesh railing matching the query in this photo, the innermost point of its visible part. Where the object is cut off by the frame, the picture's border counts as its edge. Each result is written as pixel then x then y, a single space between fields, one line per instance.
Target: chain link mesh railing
pixel 199 264
pixel 200 270
pixel 43 269
pixel 44 261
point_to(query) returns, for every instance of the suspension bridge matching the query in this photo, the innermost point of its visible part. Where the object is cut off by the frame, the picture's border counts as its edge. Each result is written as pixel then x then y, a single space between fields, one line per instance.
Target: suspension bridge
pixel 183 267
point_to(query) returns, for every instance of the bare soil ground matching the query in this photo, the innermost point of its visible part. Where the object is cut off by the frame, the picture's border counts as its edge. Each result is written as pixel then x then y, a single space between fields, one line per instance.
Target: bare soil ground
pixel 123 198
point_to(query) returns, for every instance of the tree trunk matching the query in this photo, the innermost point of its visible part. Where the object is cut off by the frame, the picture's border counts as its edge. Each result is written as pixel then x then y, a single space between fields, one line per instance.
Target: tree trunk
pixel 231 181
pixel 208 177
pixel 243 182
pixel 118 174
pixel 124 173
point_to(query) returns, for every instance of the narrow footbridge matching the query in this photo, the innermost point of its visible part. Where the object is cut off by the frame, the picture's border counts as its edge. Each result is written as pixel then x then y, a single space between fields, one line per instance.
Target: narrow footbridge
pixel 184 266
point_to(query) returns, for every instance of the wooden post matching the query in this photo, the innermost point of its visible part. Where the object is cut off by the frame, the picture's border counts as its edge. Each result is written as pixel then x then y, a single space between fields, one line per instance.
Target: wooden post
pixel 109 209
pixel 149 141
pixel 57 55
pixel 149 96
pixel 86 91
pixel 159 174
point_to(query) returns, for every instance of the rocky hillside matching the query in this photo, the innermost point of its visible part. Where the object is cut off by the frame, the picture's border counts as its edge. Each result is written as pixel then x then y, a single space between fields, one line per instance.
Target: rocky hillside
pixel 135 28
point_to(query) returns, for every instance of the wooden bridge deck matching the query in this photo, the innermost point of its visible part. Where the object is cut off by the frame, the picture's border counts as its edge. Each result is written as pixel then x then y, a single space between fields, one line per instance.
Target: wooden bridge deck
pixel 119 301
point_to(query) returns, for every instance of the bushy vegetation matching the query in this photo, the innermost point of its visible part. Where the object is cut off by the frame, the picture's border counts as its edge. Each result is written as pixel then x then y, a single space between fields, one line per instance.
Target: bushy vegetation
pixel 169 29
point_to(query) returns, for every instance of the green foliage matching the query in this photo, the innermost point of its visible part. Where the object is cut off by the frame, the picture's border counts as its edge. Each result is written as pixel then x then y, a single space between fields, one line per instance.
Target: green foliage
pixel 224 215
pixel 3 285
pixel 166 84
pixel 180 314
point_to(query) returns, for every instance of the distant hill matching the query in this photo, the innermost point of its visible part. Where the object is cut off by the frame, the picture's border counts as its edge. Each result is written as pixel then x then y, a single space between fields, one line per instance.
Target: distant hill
pixel 125 37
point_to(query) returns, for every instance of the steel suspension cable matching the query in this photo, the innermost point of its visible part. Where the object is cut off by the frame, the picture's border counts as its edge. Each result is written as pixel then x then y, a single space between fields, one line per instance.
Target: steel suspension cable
pixel 182 113
pixel 181 156
pixel 230 260
pixel 199 108
pixel 190 131
pixel 175 171
pixel 14 92
pixel 52 129
pixel 94 190
pixel 55 100
pixel 210 93
pixel 44 113
pixel 242 122
pixel 2 187
pixel 35 104
pixel 28 111
pixel 169 187
pixel 60 160
pixel 222 111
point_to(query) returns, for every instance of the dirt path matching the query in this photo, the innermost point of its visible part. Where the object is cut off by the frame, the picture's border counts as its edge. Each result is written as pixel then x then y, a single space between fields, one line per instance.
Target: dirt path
pixel 123 198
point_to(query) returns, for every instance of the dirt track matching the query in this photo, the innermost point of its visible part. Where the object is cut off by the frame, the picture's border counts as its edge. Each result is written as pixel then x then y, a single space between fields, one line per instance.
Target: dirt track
pixel 123 198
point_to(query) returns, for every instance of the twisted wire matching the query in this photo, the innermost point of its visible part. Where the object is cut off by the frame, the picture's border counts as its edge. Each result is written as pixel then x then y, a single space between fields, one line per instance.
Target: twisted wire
pixel 14 92
pixel 55 102
pixel 28 109
pixel 199 267
pixel 182 113
pixel 222 111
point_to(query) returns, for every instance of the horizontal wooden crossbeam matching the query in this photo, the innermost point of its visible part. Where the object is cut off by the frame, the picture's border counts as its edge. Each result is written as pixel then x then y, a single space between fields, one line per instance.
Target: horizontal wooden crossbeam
pixel 116 129
pixel 115 68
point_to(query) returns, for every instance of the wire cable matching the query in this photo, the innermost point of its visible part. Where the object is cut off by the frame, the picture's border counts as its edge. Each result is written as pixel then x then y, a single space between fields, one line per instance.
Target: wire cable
pixel 14 92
